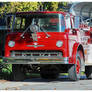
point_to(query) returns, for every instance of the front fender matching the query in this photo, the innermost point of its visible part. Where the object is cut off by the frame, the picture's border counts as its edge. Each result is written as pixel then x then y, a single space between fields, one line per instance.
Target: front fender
pixel 75 48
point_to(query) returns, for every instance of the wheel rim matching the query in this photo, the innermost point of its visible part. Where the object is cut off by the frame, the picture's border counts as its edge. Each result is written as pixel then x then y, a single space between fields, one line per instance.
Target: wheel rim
pixel 78 66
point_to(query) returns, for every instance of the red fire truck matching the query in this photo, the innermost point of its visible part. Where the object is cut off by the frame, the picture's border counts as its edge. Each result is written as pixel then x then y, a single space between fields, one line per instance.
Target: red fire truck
pixel 49 43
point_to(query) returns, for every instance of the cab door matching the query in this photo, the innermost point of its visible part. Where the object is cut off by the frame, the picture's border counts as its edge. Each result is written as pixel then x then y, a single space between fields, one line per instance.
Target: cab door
pixel 72 33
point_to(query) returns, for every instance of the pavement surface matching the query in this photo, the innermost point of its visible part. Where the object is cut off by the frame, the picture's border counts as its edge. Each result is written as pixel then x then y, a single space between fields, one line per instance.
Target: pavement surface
pixel 62 83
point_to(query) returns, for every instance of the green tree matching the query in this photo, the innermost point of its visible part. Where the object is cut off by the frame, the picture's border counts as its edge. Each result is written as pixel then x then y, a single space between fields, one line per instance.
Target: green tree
pixel 50 6
pixel 19 6
pixel 54 6
pixel 31 6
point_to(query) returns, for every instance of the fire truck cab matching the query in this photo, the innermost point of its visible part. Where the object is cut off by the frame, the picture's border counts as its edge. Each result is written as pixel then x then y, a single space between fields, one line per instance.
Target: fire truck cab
pixel 44 42
pixel 49 43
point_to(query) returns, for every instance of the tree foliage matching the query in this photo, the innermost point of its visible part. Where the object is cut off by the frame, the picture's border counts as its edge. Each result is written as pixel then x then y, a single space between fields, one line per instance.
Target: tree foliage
pixel 8 7
pixel 19 6
pixel 50 6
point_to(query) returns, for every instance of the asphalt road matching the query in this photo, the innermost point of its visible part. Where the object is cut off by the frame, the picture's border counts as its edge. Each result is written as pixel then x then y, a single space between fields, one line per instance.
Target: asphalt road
pixel 62 83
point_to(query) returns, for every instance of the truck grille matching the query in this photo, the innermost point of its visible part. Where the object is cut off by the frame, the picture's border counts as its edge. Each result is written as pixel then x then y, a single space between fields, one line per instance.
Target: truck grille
pixel 35 53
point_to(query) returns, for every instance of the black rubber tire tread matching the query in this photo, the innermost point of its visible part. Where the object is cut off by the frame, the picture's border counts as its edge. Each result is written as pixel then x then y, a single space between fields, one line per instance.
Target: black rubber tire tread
pixel 0 68
pixel 46 73
pixel 49 75
pixel 72 71
pixel 88 72
pixel 17 74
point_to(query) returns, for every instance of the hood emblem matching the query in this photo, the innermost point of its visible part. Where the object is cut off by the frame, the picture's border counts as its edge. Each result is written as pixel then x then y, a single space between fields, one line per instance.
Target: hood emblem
pixel 35 45
pixel 34 37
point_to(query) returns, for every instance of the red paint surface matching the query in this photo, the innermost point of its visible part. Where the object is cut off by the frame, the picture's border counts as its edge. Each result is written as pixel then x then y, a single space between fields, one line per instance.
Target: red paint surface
pixel 49 43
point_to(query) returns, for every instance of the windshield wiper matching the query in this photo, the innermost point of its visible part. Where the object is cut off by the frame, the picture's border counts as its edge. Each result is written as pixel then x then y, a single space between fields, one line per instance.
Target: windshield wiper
pixel 22 35
pixel 45 32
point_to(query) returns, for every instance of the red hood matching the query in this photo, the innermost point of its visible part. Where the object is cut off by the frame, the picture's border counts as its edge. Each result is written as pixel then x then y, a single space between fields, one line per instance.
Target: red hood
pixel 44 42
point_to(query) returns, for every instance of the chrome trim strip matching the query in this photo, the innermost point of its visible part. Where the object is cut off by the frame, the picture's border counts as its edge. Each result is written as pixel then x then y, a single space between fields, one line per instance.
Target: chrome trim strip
pixel 35 45
pixel 18 60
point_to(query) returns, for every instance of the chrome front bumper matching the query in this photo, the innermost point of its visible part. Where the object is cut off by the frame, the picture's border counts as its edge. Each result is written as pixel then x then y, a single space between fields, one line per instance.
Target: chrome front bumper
pixel 35 60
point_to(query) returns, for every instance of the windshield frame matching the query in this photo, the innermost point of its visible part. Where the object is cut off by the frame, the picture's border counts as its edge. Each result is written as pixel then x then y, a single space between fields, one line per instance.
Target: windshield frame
pixel 59 27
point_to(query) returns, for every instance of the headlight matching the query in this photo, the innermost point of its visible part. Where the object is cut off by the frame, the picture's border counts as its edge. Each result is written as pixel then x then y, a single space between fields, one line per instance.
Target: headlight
pixel 59 43
pixel 11 43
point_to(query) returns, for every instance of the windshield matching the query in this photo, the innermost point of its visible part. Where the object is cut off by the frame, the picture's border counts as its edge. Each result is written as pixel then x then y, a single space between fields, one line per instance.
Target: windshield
pixel 47 22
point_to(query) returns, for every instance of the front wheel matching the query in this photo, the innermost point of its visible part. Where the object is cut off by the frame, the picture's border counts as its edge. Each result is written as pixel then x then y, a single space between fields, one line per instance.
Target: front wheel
pixel 75 70
pixel 88 72
pixel 17 73
pixel 0 68
pixel 49 72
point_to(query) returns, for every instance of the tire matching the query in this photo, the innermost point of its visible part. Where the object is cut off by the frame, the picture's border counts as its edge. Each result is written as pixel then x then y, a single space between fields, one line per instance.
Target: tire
pixel 75 70
pixel 17 73
pixel 49 72
pixel 1 68
pixel 88 72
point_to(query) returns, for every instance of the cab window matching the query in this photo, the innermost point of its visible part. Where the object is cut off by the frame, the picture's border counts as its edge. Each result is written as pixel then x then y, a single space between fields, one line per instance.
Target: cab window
pixel 62 24
pixel 68 22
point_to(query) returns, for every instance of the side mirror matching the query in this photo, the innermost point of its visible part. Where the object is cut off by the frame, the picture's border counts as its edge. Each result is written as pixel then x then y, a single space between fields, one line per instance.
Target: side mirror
pixel 74 31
